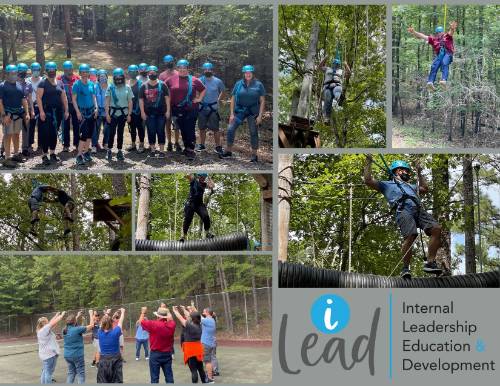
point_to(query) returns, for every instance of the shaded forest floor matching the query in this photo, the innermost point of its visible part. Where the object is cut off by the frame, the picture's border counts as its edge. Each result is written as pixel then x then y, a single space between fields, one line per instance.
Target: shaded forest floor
pixel 411 136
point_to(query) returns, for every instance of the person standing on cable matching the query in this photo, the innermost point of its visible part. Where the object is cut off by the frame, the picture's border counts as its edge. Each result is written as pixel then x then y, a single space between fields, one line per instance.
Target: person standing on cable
pixel 403 197
pixel 442 44
pixel 198 182
pixel 332 86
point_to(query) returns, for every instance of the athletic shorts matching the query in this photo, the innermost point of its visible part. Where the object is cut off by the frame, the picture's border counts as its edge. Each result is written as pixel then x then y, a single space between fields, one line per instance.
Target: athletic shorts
pixel 34 204
pixel 95 343
pixel 15 127
pixel 208 353
pixel 208 121
pixel 409 222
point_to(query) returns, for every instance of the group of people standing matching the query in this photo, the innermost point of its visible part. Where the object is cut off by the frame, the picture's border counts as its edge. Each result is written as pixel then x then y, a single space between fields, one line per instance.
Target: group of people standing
pixel 198 342
pixel 147 100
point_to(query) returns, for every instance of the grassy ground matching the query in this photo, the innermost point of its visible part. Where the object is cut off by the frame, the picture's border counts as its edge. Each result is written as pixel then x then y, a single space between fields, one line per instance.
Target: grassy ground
pixel 237 365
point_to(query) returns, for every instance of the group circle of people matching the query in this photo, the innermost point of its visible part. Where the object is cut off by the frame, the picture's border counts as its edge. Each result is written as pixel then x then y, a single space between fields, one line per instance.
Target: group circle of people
pixel 198 342
pixel 150 102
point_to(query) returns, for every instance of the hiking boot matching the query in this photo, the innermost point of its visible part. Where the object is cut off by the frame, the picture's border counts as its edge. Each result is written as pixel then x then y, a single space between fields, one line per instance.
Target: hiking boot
pixel 109 155
pixel 8 163
pixel 431 267
pixel 200 147
pixel 227 154
pixel 254 158
pixel 140 150
pixel 54 158
pixel 170 147
pixel 131 148
pixel 405 273
pixel 87 157
pixel 17 157
pixel 190 154
pixel 430 86
pixel 65 149
pixel 210 235
pixel 25 153
pixel 119 156
pixel 218 150
pixel 162 154
pixel 178 147
pixel 80 161
pixel 45 160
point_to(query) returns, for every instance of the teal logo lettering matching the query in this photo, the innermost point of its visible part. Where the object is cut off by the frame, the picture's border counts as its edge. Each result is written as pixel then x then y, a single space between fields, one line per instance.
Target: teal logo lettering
pixel 330 314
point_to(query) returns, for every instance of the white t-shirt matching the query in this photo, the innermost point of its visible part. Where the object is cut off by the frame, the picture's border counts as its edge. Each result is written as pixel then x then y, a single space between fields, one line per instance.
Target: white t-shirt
pixel 34 87
pixel 47 343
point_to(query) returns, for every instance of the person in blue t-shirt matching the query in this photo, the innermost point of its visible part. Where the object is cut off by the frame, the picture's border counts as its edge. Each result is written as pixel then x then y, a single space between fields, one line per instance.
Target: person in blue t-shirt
pixel 110 368
pixel 141 340
pixel 247 102
pixel 208 339
pixel 208 116
pixel 73 347
pixel 85 105
pixel 404 198
pixel 100 96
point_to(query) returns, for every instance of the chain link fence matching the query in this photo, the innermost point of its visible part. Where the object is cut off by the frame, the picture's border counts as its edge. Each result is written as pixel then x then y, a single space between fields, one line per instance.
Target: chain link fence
pixel 241 314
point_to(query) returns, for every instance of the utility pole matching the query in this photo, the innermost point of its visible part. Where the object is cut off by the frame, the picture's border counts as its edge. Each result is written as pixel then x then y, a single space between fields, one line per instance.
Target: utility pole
pixel 350 226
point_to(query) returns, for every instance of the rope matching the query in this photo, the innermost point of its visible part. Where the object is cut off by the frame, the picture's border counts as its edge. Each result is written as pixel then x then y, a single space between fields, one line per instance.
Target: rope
pixel 445 14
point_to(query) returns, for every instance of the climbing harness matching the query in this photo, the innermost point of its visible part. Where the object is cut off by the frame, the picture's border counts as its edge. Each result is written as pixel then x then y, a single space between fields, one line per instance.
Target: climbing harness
pixel 242 111
pixel 15 113
pixel 114 109
pixel 187 99
pixel 136 110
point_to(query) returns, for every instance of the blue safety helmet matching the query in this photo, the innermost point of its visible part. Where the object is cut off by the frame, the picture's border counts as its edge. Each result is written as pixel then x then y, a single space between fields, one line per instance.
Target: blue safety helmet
pixel 336 62
pixel 183 63
pixel 205 175
pixel 93 71
pixel 50 66
pixel 118 72
pixel 102 72
pixel 132 68
pixel 439 30
pixel 153 68
pixel 168 59
pixel 247 68
pixel 11 68
pixel 68 65
pixel 84 68
pixel 35 66
pixel 207 66
pixel 143 66
pixel 22 67
pixel 399 165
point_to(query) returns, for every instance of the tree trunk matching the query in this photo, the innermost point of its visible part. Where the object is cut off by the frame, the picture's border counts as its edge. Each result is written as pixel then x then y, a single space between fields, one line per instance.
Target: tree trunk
pixel 227 302
pixel 74 194
pixel 67 30
pixel 5 48
pixel 141 232
pixel 39 38
pixel 395 67
pixel 12 38
pixel 94 23
pixel 307 81
pixel 468 193
pixel 285 179
pixel 254 293
pixel 119 184
pixel 441 204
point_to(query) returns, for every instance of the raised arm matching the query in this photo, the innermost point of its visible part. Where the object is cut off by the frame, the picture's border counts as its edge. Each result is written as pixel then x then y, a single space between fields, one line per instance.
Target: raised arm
pixel 418 35
pixel 56 319
pixel 367 174
pixel 144 311
pixel 453 28
pixel 122 316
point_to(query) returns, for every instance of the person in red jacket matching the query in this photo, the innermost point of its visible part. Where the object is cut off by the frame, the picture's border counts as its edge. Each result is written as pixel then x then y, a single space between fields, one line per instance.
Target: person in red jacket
pixel 161 339
pixel 442 45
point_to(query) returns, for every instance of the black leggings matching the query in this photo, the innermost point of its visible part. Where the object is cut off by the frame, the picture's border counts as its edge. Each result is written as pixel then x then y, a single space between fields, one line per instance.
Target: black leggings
pixel 189 210
pixel 196 368
pixel 110 369
pixel 116 126
pixel 47 131
pixel 137 127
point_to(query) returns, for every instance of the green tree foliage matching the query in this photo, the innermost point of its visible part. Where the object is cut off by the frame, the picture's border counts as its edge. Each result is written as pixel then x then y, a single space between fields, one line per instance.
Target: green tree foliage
pixel 39 284
pixel 466 111
pixel 15 190
pixel 233 207
pixel 319 224
pixel 359 34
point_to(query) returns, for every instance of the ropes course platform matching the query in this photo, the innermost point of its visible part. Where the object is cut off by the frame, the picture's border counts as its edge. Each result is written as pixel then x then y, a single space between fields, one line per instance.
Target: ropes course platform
pixel 232 242
pixel 300 276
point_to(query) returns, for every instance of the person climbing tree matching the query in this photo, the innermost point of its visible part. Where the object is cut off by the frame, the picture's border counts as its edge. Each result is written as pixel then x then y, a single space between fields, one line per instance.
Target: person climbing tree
pixel 332 86
pixel 198 182
pixel 442 44
pixel 403 198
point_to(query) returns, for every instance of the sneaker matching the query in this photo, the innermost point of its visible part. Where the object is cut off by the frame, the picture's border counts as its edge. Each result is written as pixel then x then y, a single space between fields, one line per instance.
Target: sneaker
pixel 181 240
pixel 178 147
pixel 210 235
pixel 119 156
pixel 227 154
pixel 254 159
pixel 2 155
pixel 161 154
pixel 431 267
pixel 215 373
pixel 45 160
pixel 210 380
pixel 218 150
pixel 94 149
pixel 170 147
pixel 405 273
pixel 8 163
pixel 190 154
pixel 87 156
pixel 430 86
pixel 54 158
pixel 131 148
pixel 109 155
pixel 65 149
pixel 141 148
pixel 80 161
pixel 92 364
pixel 443 83
pixel 147 358
pixel 25 153
pixel 200 147
pixel 136 359
pixel 17 157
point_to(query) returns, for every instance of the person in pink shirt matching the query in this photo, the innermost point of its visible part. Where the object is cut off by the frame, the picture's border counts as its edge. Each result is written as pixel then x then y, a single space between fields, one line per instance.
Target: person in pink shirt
pixel 168 61
pixel 442 45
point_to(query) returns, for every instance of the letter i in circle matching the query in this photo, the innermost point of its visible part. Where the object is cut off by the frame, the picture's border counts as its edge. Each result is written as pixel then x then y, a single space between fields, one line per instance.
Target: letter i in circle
pixel 328 317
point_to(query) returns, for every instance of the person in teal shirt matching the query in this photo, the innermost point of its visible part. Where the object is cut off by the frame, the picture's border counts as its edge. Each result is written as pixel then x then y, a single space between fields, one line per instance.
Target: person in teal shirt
pixel 119 97
pixel 85 104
